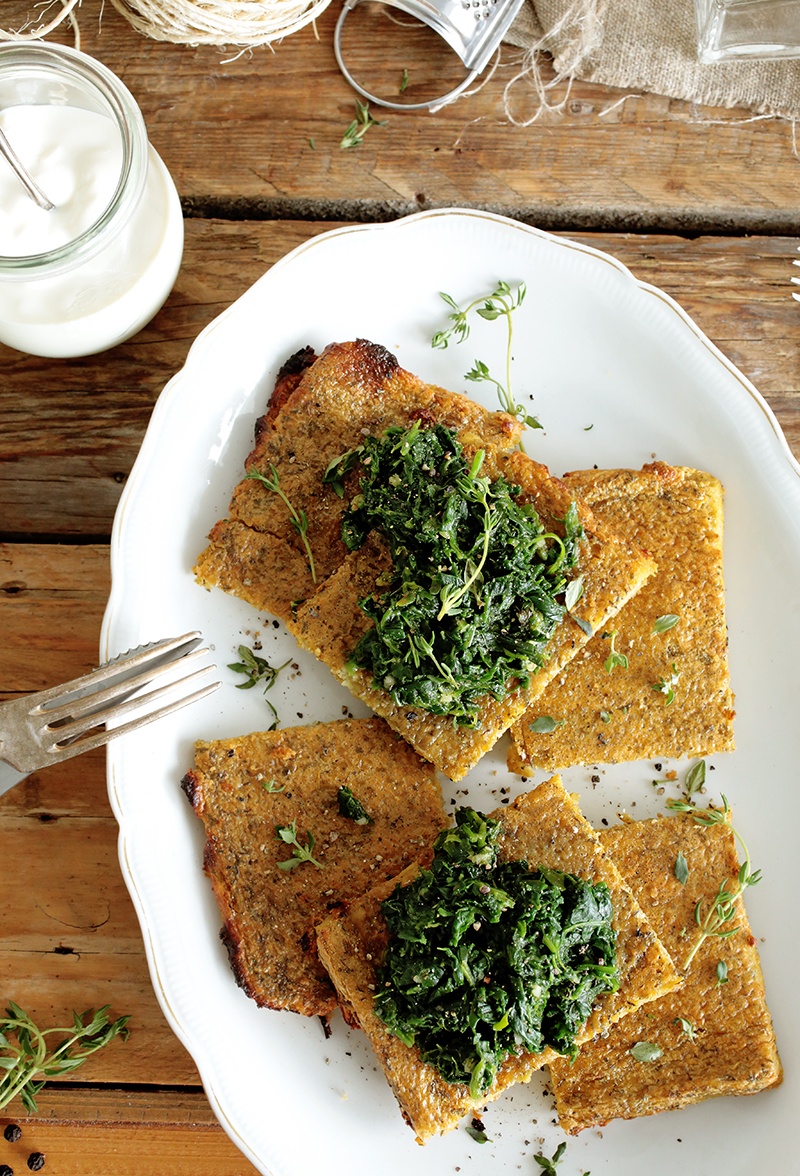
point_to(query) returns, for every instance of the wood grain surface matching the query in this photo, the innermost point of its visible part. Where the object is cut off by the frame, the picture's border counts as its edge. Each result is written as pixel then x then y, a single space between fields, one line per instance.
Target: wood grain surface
pixel 701 203
pixel 260 132
pixel 71 430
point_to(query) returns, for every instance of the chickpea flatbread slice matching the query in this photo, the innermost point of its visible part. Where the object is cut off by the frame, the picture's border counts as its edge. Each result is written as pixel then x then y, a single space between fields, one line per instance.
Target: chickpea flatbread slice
pixel 673 696
pixel 321 407
pixel 610 571
pixel 713 1036
pixel 545 828
pixel 247 789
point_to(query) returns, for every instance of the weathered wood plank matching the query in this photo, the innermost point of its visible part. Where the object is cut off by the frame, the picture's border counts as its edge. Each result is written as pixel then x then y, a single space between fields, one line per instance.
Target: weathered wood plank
pixel 69 936
pixel 150 1147
pixel 263 129
pixel 71 430
pixel 51 602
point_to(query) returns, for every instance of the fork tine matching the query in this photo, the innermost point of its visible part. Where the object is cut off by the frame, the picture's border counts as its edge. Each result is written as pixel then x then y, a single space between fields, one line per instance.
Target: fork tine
pixel 59 753
pixel 88 702
pixel 137 659
pixel 70 730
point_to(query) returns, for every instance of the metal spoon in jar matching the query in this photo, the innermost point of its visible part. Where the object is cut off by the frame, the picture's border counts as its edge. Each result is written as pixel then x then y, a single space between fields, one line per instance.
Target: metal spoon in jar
pixel 26 179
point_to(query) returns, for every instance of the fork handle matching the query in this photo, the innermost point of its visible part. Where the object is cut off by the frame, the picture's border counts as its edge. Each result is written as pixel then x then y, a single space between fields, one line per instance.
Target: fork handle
pixel 9 777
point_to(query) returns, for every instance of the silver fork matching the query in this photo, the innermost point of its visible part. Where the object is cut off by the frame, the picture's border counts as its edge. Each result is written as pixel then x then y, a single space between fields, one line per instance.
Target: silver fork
pixel 53 725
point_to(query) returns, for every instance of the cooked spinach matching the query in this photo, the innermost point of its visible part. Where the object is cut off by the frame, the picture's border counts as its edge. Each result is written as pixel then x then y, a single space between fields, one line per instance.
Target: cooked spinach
pixel 477 583
pixel 351 807
pixel 486 959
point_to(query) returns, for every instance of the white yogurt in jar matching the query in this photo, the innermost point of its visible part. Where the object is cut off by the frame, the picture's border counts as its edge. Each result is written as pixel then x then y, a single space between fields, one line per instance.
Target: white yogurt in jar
pixel 76 157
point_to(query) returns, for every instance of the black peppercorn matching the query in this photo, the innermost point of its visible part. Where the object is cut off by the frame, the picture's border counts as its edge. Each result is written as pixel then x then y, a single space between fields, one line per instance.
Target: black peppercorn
pixel 36 1161
pixel 5 1170
pixel 12 1132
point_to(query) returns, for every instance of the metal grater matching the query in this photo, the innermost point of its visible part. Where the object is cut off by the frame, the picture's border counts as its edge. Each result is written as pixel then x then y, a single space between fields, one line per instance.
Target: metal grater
pixel 472 28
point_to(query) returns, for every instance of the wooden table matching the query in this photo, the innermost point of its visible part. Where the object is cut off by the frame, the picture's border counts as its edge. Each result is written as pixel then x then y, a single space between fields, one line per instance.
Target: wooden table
pixel 702 203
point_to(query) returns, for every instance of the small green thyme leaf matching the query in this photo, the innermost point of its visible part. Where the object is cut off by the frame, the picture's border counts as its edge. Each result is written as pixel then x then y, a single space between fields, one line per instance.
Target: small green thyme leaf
pixel 478 1132
pixel 549 1166
pixel 614 658
pixel 272 786
pixel 687 1028
pixel 605 716
pixel 695 778
pixel 574 593
pixel 545 724
pixel 300 853
pixel 352 808
pixel 722 973
pixel 404 81
pixel 681 868
pixel 665 622
pixel 645 1051
pixel 667 684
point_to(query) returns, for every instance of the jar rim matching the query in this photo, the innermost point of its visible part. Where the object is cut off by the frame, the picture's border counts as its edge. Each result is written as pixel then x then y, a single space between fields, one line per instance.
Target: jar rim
pixel 93 77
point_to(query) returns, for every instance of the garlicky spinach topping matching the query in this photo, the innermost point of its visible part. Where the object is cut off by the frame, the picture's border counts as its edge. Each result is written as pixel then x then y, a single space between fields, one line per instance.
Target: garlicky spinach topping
pixel 477 584
pixel 487 959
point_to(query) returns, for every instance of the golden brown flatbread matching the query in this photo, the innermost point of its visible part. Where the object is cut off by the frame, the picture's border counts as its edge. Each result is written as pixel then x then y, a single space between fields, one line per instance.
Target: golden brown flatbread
pixel 602 716
pixel 243 788
pixel 257 553
pixel 545 828
pixel 320 413
pixel 715 1038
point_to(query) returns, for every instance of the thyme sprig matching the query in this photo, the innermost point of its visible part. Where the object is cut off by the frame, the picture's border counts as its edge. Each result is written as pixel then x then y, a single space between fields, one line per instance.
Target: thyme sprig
pixel 667 684
pixel 715 922
pixel 257 669
pixel 26 1061
pixel 299 518
pixel 359 126
pixel 300 853
pixel 501 303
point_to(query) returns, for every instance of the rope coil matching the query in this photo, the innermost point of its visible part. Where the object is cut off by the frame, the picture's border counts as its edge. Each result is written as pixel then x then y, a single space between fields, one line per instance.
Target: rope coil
pixel 240 23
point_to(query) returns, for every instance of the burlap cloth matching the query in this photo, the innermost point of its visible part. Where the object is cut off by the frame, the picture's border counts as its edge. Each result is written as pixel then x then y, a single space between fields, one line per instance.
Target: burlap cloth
pixel 647 45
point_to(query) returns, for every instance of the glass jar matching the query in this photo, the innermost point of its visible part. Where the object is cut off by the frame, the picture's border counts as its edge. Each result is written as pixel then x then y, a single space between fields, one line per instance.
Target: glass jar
pixel 747 30
pixel 93 271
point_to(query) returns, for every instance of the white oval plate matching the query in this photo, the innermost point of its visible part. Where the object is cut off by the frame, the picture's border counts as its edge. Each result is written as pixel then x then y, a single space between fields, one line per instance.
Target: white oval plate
pixel 618 375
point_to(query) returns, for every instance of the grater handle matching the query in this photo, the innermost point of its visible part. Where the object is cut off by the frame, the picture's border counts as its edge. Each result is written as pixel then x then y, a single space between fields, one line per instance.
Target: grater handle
pixel 433 104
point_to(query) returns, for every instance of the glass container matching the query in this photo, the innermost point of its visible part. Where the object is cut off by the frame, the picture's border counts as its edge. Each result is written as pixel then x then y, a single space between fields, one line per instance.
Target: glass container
pixel 740 30
pixel 93 271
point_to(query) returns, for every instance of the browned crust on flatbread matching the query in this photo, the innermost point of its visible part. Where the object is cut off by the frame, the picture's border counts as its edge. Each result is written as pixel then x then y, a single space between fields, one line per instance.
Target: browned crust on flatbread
pixel 268 913
pixel 612 717
pixel 257 554
pixel 734 1050
pixel 544 827
pixel 318 413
